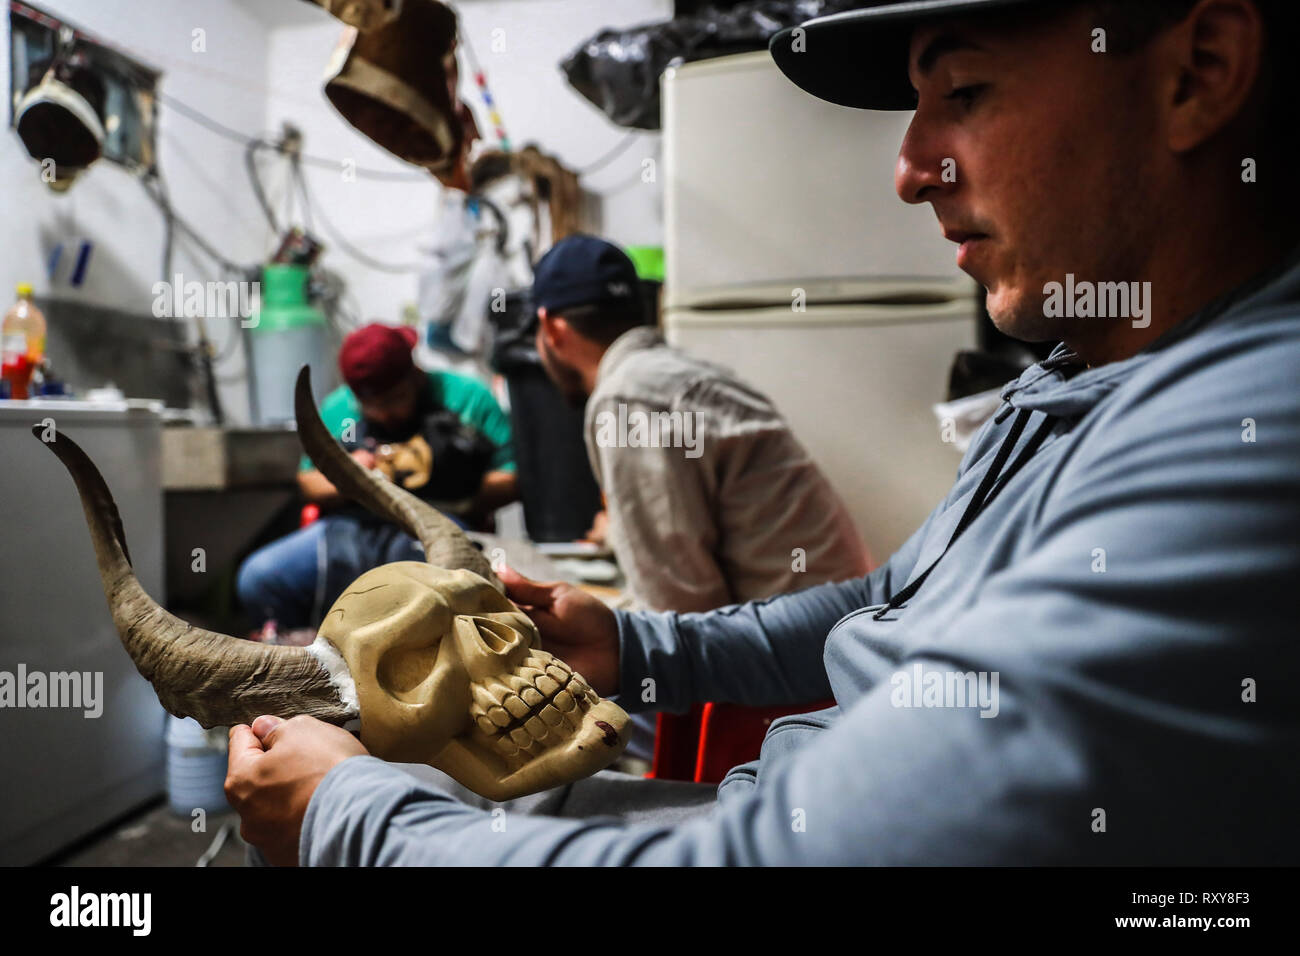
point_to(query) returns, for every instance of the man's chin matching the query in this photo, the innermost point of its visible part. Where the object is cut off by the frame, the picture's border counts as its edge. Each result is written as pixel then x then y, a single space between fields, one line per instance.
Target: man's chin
pixel 1019 316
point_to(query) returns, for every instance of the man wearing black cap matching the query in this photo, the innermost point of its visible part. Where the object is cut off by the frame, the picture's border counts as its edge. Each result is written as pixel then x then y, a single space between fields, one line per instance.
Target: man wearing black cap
pixel 711 500
pixel 1087 653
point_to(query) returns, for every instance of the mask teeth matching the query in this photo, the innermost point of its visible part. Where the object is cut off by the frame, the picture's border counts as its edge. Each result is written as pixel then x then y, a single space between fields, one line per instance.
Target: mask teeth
pixel 517 683
pixel 484 699
pixel 530 670
pixel 528 716
pixel 499 691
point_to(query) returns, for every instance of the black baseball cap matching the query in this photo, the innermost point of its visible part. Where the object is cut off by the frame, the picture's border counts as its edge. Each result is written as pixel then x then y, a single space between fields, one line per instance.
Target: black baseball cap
pixel 858 58
pixel 585 270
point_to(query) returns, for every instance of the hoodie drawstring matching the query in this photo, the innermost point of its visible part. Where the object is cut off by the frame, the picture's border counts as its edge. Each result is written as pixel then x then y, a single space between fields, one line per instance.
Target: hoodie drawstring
pixel 986 492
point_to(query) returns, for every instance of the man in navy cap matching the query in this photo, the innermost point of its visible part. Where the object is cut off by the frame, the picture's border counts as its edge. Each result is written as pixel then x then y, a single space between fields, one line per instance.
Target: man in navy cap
pixel 1087 652
pixel 677 444
pixel 710 499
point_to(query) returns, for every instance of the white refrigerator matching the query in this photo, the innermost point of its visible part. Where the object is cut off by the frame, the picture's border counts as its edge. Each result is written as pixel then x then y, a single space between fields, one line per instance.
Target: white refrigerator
pixel 790 259
pixel 70 769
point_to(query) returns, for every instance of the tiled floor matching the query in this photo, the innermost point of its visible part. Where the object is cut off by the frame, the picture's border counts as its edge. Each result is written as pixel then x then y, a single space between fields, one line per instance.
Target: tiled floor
pixel 158 837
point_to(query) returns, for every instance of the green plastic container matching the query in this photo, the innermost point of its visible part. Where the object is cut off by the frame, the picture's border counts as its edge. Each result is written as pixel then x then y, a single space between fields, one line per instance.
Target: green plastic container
pixel 286 333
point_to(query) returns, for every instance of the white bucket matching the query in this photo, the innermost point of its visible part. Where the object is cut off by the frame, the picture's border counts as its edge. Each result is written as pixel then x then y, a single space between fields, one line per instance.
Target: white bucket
pixel 196 767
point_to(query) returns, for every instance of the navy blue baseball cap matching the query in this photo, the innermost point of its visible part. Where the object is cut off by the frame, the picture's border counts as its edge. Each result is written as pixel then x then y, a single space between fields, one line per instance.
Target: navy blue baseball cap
pixel 859 58
pixel 585 270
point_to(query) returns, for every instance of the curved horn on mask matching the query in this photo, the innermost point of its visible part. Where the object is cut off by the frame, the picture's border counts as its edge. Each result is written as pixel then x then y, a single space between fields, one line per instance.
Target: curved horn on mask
pixel 445 545
pixel 216 679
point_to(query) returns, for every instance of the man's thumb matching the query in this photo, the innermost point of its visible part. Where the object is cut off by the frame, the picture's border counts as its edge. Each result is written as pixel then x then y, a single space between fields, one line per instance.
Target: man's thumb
pixel 263 726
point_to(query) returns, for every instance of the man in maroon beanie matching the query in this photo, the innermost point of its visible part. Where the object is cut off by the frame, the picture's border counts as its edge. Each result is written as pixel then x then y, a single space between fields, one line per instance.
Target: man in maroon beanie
pixel 441 435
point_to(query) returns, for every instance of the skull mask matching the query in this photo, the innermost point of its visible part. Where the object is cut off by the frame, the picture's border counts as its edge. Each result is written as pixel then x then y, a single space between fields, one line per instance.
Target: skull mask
pixel 450 673
pixel 446 670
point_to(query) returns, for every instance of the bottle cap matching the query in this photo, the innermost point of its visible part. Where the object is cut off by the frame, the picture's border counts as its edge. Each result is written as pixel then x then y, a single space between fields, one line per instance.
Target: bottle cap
pixel 24 290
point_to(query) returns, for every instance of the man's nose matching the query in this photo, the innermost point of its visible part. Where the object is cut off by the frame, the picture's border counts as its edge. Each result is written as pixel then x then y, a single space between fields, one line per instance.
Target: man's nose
pixel 924 170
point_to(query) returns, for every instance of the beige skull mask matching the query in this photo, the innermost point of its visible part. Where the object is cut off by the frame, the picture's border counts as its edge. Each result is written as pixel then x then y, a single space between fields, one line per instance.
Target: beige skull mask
pixel 438 663
pixel 450 673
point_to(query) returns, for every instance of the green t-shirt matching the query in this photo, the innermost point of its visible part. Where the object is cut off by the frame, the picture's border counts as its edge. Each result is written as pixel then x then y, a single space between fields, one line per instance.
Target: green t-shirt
pixel 469 399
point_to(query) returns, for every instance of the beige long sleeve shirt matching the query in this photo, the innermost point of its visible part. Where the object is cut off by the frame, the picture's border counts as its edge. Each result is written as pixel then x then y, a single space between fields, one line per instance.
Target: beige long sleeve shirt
pixel 711 499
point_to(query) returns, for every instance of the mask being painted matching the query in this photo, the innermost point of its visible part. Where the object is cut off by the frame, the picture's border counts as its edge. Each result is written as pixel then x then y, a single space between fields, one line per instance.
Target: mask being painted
pixel 438 663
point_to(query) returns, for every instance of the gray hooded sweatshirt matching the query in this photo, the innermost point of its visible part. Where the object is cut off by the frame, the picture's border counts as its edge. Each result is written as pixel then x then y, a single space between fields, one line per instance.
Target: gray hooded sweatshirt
pixel 1102 667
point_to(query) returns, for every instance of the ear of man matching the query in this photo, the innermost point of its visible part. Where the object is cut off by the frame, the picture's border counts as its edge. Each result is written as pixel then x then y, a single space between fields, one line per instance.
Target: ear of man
pixel 1209 64
pixel 1215 58
pixel 557 332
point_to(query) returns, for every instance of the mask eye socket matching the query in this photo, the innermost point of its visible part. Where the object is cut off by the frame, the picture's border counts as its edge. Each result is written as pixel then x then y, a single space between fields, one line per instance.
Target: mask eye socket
pixel 403 672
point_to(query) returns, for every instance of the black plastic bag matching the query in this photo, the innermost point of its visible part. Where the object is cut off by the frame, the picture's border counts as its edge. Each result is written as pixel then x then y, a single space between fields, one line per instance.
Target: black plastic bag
pixel 618 70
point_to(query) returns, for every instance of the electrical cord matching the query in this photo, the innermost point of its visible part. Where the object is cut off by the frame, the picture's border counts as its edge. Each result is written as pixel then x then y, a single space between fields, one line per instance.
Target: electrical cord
pixel 352 250
pixel 628 183
pixel 244 139
pixel 379 175
pixel 302 193
pixel 250 164
pixel 156 188
pixel 618 150
pixel 331 289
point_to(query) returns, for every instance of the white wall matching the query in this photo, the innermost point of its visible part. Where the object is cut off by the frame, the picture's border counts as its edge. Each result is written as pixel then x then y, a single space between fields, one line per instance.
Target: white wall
pixel 537 102
pixel 264 63
pixel 108 205
pixel 519 45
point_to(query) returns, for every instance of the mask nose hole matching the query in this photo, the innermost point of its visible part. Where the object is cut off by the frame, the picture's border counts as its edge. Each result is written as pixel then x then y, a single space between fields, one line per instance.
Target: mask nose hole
pixel 485 643
pixel 495 636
